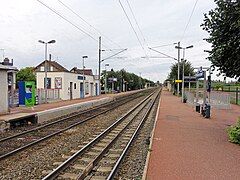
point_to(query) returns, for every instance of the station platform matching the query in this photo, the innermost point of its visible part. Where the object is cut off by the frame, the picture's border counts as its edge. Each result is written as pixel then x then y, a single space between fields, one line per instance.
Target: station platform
pixel 49 110
pixel 186 145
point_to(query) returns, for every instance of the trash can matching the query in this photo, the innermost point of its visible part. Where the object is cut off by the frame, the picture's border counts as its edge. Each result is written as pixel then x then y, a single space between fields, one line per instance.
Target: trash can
pixel 36 100
pixel 198 107
pixel 207 110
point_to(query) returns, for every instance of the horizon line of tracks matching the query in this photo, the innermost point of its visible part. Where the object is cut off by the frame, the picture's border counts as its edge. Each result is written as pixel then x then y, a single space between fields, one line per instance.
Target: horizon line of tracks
pixel 101 157
pixel 15 143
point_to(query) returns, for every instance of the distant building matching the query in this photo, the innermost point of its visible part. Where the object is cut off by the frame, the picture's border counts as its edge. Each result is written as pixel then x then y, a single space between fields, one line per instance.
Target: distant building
pixel 70 83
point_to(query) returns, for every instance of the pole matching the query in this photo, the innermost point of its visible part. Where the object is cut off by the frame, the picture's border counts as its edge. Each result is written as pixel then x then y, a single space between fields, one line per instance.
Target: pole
pixel 183 75
pixel 204 90
pixel 236 95
pixel 105 87
pixel 45 68
pixel 83 80
pixel 189 83
pixel 197 91
pixel 178 68
pixel 99 66
pixel 112 85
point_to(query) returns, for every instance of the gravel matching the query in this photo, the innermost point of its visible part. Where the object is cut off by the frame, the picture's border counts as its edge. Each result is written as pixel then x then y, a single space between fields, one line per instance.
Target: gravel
pixel 35 162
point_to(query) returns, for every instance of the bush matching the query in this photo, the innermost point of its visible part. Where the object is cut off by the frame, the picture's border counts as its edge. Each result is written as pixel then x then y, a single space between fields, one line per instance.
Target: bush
pixel 234 133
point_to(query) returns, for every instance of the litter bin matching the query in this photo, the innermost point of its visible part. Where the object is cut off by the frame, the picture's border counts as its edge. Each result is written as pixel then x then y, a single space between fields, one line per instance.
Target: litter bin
pixel 207 110
pixel 36 100
pixel 198 107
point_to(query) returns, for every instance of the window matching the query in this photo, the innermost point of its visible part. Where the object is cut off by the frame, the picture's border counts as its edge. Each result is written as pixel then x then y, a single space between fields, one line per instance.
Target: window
pixel 51 68
pixel 42 68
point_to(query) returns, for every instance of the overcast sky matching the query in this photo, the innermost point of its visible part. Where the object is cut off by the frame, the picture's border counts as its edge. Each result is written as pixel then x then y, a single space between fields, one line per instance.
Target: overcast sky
pixel 161 22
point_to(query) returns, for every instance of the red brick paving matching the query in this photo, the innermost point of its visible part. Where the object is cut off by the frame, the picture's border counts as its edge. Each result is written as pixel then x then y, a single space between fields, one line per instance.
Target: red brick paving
pixel 187 146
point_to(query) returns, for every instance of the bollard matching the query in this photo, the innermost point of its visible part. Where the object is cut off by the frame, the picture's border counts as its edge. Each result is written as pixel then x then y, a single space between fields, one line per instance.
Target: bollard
pixel 198 107
pixel 36 100
pixel 207 110
pixel 203 111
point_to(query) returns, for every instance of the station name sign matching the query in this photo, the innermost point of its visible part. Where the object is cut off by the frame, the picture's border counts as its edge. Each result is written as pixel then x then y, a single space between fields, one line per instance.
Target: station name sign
pixel 199 73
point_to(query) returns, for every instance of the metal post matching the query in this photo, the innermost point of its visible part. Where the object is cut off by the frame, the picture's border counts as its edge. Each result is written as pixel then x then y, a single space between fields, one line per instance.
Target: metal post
pixel 183 82
pixel 45 80
pixel 83 79
pixel 105 86
pixel 112 85
pixel 197 90
pixel 189 83
pixel 204 90
pixel 183 75
pixel 236 95
pixel 99 66
pixel 178 68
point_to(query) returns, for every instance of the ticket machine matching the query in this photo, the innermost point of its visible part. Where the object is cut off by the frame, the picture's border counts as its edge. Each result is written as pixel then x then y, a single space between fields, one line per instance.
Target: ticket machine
pixel 26 93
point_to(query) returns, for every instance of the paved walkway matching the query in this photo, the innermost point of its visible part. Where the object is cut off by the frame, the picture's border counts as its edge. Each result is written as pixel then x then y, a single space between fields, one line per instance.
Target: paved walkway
pixel 187 146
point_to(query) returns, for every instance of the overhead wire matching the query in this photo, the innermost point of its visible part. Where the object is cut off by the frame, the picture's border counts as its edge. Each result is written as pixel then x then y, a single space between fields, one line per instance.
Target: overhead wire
pixel 76 26
pixel 134 17
pixel 189 19
pixel 132 26
pixel 70 9
pixel 70 22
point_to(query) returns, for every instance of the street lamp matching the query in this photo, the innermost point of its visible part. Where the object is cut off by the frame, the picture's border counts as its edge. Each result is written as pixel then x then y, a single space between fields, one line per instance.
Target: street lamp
pixel 84 76
pixel 45 68
pixel 183 61
pixel 105 87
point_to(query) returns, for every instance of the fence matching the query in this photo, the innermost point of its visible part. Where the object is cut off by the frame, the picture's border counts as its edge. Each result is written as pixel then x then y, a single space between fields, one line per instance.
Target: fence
pixel 233 91
pixel 217 100
pixel 52 95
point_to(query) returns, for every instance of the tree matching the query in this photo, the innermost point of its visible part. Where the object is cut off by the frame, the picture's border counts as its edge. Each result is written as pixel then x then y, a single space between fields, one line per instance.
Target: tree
pixel 188 69
pixel 25 74
pixel 223 26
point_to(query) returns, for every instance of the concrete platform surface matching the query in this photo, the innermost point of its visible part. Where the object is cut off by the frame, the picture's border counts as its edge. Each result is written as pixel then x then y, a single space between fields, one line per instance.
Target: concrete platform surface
pixel 188 146
pixel 41 109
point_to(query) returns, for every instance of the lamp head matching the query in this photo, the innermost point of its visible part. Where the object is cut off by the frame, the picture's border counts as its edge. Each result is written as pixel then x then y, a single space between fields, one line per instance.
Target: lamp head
pixel 178 47
pixel 41 41
pixel 52 41
pixel 189 47
pixel 85 57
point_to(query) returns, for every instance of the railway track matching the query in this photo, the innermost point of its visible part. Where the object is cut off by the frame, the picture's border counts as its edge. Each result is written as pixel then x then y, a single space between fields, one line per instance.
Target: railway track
pixel 101 157
pixel 15 143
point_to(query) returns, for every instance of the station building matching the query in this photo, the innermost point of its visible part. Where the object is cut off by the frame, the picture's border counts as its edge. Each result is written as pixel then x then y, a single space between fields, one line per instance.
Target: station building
pixel 7 84
pixel 69 83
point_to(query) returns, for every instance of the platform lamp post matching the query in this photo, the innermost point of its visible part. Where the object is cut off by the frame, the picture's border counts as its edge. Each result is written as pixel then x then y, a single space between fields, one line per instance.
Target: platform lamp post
pixel 183 61
pixel 45 65
pixel 105 86
pixel 84 76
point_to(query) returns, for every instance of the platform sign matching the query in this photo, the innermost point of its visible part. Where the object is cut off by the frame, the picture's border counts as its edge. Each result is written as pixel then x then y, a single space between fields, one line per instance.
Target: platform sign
pixel 200 73
pixel 178 81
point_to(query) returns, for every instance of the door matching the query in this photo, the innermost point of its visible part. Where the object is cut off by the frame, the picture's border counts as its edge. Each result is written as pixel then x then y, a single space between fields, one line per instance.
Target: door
pixel 71 88
pixel 91 89
pixel 96 89
pixel 81 90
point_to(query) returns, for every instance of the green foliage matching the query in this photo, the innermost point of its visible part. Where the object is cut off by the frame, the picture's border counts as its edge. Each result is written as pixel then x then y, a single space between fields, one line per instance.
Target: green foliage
pixel 131 80
pixel 25 74
pixel 234 133
pixel 223 26
pixel 188 69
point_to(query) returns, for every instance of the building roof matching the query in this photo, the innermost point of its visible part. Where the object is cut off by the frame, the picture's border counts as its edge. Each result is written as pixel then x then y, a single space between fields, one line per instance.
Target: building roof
pixel 53 63
pixel 7 68
pixel 80 71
